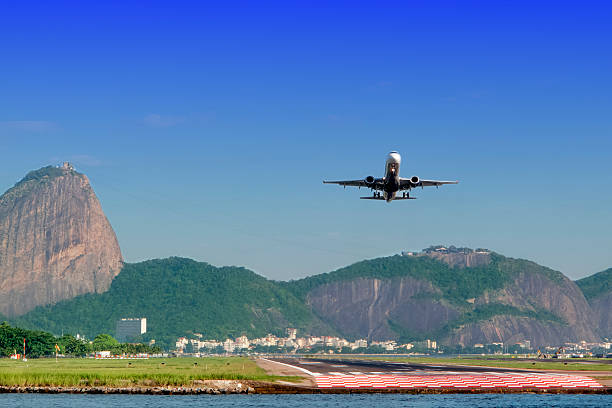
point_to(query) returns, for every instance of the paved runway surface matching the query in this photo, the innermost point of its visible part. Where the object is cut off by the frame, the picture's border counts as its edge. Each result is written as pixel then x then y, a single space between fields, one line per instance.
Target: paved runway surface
pixel 386 374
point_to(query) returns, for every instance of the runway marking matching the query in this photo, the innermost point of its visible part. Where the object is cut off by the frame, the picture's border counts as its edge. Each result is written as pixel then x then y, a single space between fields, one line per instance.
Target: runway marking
pixel 292 366
pixel 456 381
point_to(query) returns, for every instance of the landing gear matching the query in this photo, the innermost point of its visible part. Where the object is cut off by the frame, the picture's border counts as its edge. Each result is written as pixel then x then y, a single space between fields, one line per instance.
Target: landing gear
pixel 406 195
pixel 375 195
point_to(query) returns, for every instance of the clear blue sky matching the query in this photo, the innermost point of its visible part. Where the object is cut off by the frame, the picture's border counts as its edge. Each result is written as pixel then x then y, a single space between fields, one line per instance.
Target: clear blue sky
pixel 206 130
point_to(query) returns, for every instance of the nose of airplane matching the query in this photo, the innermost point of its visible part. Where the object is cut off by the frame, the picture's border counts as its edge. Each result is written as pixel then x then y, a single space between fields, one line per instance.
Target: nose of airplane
pixel 395 156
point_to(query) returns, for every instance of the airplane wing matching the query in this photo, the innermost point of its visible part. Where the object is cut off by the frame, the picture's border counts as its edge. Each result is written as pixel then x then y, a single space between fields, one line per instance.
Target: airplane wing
pixel 406 184
pixel 377 184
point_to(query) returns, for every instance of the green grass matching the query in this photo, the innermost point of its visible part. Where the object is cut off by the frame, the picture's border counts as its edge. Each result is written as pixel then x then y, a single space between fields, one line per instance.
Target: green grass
pixel 577 365
pixel 129 373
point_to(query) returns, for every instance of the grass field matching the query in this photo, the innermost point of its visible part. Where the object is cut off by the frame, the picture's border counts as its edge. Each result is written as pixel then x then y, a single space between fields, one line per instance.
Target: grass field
pixel 577 365
pixel 129 373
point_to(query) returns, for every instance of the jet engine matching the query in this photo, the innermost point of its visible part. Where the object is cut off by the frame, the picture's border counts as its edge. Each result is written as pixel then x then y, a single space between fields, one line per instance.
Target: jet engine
pixel 414 180
pixel 369 180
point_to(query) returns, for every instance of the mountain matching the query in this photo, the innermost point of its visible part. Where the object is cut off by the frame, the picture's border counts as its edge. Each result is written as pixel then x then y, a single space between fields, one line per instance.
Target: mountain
pixel 435 295
pixel 55 241
pixel 432 295
pixel 597 289
pixel 179 296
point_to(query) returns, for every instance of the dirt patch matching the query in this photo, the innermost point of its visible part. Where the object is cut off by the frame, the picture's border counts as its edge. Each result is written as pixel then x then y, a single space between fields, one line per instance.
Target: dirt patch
pixel 604 379
pixel 274 368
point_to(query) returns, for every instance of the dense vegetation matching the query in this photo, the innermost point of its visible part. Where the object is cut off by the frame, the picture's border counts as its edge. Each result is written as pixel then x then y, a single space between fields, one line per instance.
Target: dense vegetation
pixel 513 266
pixel 596 285
pixel 40 343
pixel 179 296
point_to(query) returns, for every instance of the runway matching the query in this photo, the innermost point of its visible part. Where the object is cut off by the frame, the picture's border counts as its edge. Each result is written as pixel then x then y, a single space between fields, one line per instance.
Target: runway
pixel 356 374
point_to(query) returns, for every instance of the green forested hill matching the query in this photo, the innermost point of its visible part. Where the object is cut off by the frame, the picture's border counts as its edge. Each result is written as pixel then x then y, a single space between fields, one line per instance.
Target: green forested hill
pixel 463 296
pixel 457 284
pixel 178 296
pixel 596 285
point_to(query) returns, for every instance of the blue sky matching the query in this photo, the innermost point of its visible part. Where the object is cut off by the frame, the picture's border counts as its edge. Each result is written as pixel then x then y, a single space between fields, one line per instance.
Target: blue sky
pixel 206 130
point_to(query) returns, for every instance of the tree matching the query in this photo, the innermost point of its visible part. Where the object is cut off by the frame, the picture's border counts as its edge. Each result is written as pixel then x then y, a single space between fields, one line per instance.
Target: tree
pixel 73 346
pixel 104 342
pixel 38 343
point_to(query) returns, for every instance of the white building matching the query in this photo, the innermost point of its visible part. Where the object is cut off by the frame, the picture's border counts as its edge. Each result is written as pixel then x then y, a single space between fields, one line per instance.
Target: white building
pixel 242 342
pixel 361 343
pixel 291 333
pixel 130 327
pixel 229 345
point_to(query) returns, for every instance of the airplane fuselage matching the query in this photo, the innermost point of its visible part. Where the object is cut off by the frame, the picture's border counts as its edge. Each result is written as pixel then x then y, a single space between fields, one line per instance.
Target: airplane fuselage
pixel 392 177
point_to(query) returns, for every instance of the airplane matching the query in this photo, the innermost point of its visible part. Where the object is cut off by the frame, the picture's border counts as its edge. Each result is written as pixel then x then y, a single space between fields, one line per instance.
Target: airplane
pixel 391 183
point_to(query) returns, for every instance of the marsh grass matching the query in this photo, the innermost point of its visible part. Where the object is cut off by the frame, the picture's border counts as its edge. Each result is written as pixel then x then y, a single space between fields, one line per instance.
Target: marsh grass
pixel 129 373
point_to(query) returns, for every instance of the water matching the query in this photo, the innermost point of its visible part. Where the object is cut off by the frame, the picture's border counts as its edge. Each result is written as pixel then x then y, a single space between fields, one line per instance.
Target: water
pixel 298 401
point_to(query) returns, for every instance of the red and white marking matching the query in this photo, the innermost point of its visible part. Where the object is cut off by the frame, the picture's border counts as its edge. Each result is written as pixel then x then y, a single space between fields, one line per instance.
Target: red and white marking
pixel 458 381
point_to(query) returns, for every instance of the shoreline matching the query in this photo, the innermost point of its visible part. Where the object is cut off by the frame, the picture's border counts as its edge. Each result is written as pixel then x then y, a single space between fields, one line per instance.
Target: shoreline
pixel 220 387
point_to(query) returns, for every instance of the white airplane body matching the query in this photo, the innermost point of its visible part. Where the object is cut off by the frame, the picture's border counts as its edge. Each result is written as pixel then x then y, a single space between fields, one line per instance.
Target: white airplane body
pixel 391 183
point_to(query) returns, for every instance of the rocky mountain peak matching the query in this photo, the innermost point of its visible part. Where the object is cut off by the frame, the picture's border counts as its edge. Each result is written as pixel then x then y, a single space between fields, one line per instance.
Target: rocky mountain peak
pixel 55 241
pixel 455 257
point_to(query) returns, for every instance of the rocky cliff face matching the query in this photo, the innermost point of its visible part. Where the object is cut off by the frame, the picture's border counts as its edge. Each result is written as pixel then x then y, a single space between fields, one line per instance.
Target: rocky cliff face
pixel 462 260
pixel 55 241
pixel 366 308
pixel 533 303
pixel 533 292
pixel 602 309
